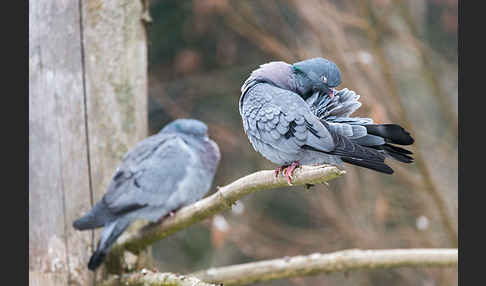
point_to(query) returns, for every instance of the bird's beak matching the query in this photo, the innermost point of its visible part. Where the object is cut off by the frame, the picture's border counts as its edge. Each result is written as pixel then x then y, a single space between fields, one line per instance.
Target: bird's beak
pixel 331 93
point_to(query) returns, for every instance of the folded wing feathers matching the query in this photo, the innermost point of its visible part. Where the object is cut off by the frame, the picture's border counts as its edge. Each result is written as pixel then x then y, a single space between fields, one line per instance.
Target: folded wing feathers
pixel 367 141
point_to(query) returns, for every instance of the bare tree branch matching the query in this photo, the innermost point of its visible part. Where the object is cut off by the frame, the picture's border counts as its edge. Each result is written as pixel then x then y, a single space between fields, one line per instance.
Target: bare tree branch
pixel 148 278
pixel 317 263
pixel 221 200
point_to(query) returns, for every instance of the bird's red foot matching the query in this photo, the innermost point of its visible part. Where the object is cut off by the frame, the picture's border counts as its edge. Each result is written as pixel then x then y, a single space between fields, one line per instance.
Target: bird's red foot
pixel 288 171
pixel 280 170
pixel 171 213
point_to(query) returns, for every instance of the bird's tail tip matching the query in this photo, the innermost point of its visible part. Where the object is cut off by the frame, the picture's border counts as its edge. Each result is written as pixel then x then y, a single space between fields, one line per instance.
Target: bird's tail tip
pixel 96 259
pixel 373 165
pixel 392 133
pixel 78 224
pixel 82 223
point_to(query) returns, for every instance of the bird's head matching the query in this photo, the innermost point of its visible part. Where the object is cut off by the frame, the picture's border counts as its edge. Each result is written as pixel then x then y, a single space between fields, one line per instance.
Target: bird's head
pixel 187 126
pixel 318 74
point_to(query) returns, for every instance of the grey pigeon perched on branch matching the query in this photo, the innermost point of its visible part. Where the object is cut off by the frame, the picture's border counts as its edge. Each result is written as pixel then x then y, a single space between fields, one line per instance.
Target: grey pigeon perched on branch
pixel 162 173
pixel 293 115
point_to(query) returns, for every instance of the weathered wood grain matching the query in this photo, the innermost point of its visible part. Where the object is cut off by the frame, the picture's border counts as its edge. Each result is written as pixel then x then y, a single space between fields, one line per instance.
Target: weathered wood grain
pixel 116 82
pixel 58 169
pixel 115 52
pixel 87 107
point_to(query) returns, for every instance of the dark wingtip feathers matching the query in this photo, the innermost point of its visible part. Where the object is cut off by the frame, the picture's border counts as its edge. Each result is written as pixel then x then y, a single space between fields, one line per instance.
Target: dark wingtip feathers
pixel 79 224
pixel 96 259
pixel 86 222
pixel 392 133
pixel 398 153
pixel 376 166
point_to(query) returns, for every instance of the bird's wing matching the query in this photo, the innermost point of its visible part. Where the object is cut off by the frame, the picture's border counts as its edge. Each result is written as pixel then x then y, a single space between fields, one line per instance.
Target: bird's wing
pixel 343 104
pixel 351 152
pixel 282 119
pixel 336 111
pixel 350 134
pixel 149 174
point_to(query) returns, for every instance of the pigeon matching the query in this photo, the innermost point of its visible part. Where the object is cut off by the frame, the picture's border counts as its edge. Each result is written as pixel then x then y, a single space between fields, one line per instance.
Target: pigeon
pixel 293 115
pixel 162 173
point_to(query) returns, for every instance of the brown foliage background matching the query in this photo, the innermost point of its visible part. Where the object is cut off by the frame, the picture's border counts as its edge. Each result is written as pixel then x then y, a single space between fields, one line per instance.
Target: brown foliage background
pixel 400 56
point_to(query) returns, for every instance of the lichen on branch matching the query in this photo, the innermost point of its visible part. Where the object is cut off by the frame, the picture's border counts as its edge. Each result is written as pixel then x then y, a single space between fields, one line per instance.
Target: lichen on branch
pixel 148 278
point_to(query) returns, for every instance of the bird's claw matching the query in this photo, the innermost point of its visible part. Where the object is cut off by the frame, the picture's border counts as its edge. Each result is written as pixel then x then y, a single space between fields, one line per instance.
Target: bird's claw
pixel 288 171
pixel 280 169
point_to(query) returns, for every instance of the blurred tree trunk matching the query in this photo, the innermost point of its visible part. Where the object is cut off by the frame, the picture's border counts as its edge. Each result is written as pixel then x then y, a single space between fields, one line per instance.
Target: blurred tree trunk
pixel 87 107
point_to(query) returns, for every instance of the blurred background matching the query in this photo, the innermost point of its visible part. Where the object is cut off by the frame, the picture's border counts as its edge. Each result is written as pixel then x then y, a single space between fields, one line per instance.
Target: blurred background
pixel 400 56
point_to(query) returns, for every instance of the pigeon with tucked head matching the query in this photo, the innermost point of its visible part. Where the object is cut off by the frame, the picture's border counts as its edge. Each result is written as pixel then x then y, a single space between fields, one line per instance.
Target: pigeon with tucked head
pixel 293 115
pixel 317 75
pixel 161 174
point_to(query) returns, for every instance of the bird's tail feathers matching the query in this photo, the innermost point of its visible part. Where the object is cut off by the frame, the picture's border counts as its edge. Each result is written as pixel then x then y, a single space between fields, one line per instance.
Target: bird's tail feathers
pixel 86 222
pixel 109 235
pixel 356 154
pixel 392 133
pixel 373 165
pixel 96 259
pixel 397 153
pixel 96 217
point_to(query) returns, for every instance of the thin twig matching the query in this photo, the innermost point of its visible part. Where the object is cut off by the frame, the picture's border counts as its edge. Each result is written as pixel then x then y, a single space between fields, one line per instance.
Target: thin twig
pixel 341 261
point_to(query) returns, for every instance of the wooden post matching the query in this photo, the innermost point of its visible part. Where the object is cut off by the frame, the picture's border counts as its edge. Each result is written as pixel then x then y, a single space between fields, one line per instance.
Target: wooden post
pixel 87 107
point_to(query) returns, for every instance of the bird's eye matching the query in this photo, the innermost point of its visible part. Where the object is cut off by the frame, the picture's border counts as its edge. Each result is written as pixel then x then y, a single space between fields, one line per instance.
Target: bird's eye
pixel 324 79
